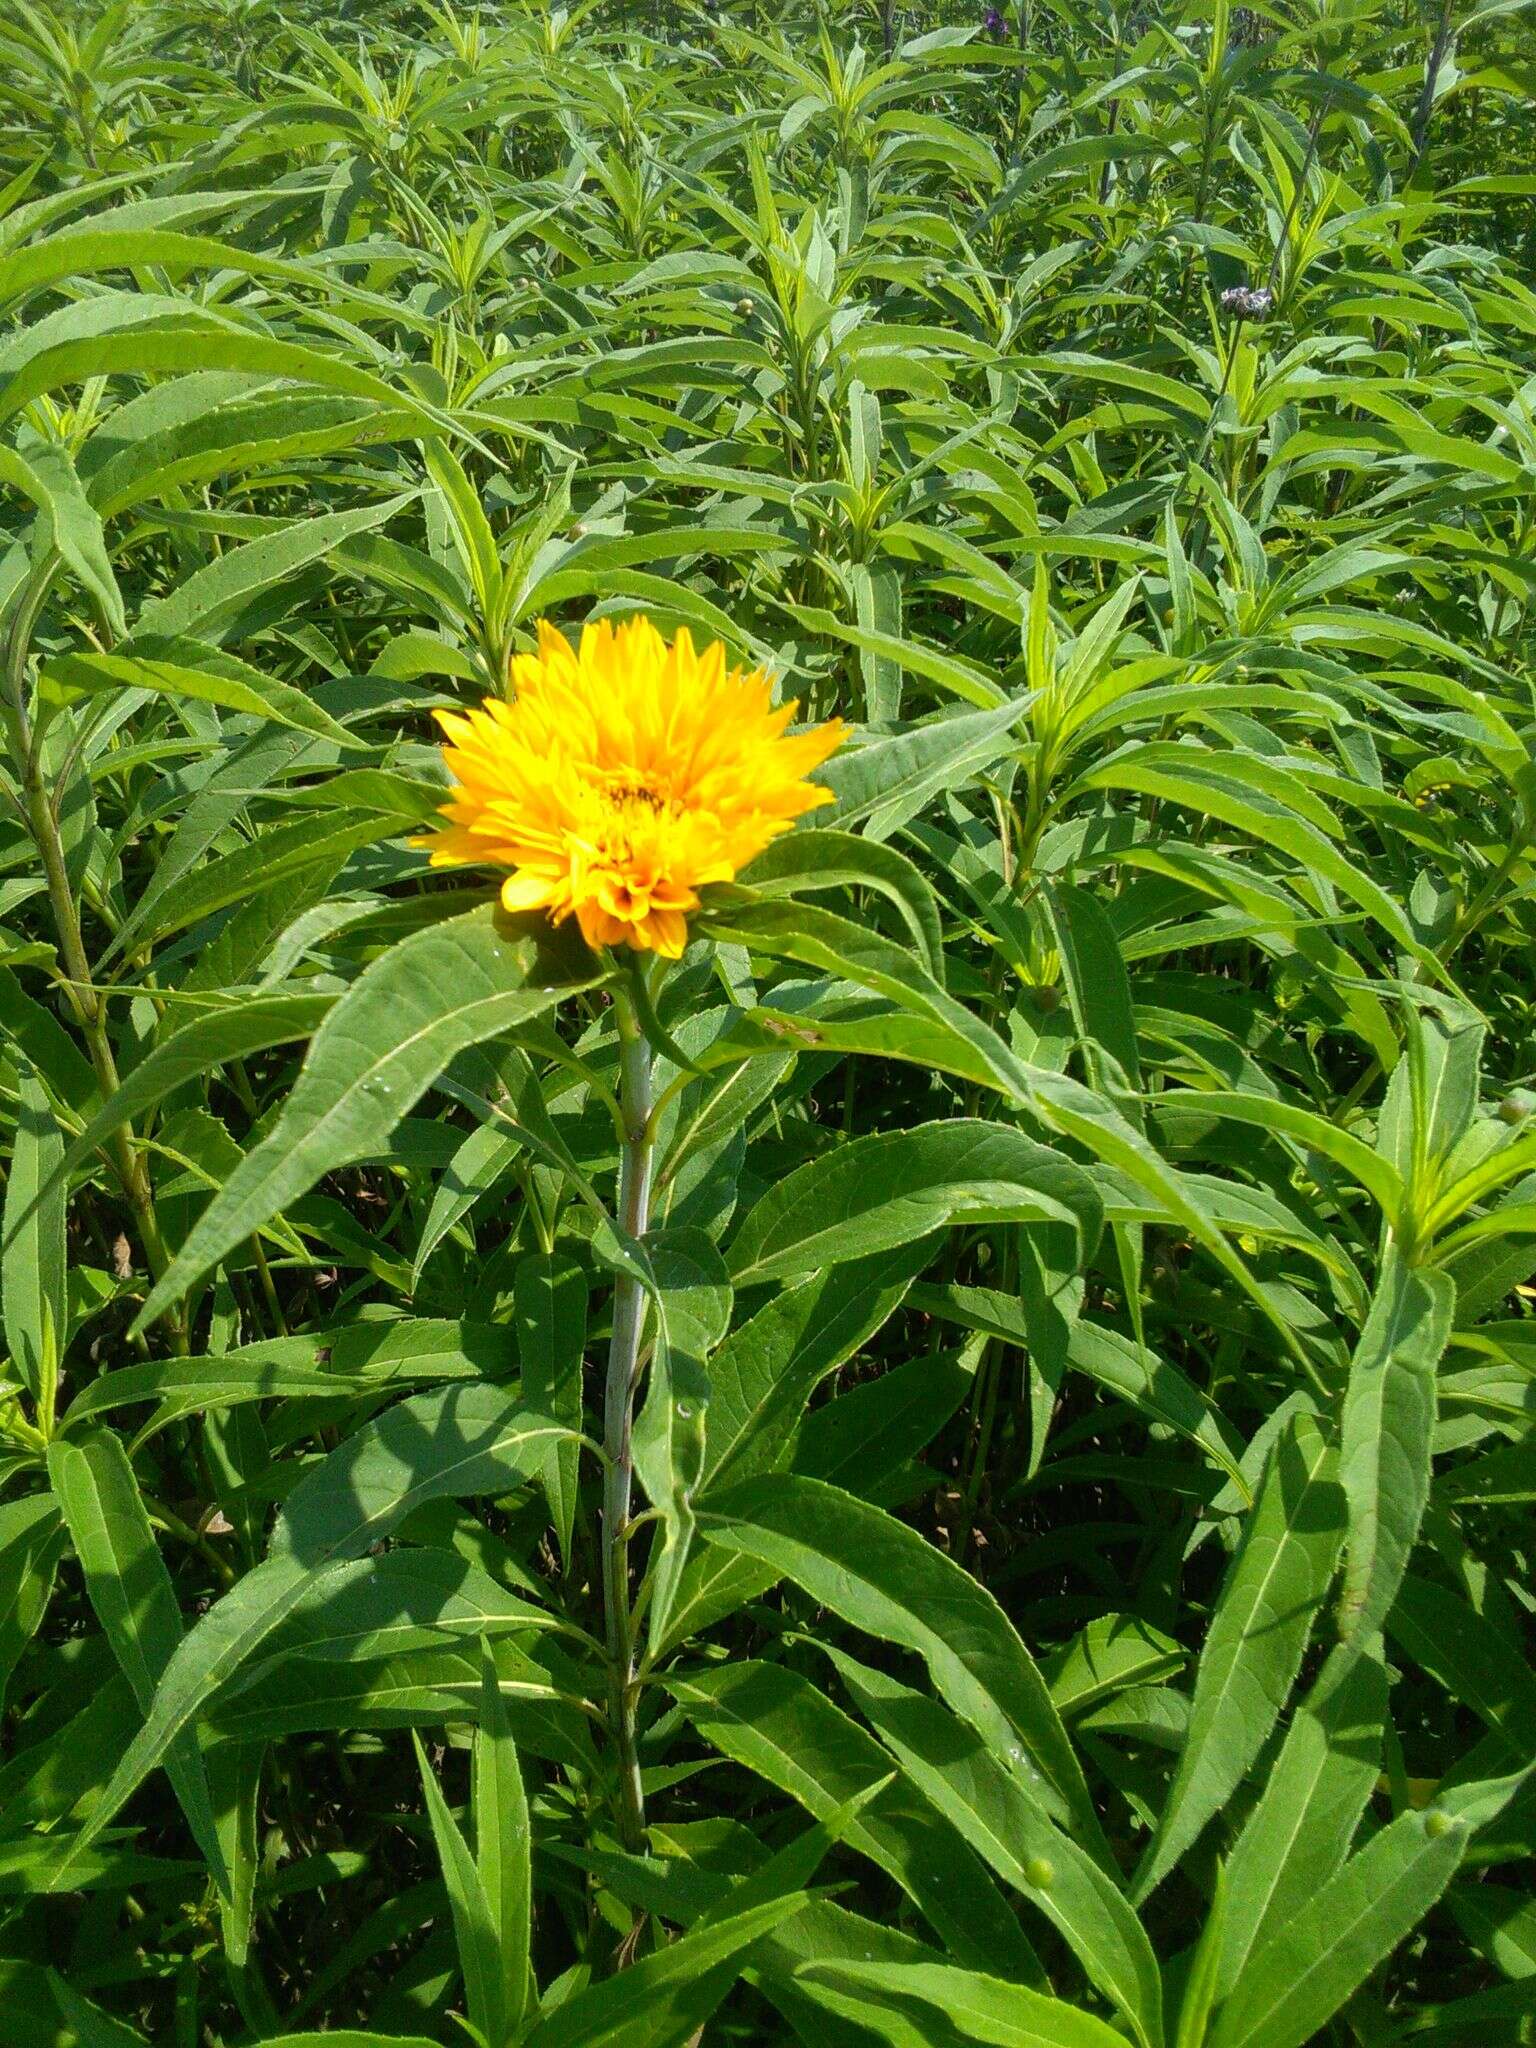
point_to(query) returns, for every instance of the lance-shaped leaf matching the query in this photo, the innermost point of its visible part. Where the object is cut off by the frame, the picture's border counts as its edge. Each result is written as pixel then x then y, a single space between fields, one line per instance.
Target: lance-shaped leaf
pixel 131 1591
pixel 1386 1434
pixel 1299 1833
pixel 812 859
pixel 475 1933
pixel 664 2000
pixel 197 1048
pixel 209 602
pixel 429 997
pixel 883 1577
pixel 549 1306
pixel 999 1815
pixel 451 1441
pixel 768 1367
pixel 777 1723
pixel 1257 1637
pixel 233 685
pixel 935 2002
pixel 32 1242
pixel 1334 1939
pixel 957 1042
pixel 67 519
pixel 503 1844
pixel 886 1190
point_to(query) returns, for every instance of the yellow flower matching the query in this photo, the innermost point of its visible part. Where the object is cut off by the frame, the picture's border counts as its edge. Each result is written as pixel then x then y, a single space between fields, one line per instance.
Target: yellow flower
pixel 624 776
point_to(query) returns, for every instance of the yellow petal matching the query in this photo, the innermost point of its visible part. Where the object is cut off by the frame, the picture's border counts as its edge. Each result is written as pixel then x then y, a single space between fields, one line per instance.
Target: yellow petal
pixel 523 890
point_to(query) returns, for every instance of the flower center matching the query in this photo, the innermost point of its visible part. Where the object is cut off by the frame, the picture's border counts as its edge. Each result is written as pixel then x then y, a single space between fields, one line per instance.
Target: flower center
pixel 630 825
pixel 635 794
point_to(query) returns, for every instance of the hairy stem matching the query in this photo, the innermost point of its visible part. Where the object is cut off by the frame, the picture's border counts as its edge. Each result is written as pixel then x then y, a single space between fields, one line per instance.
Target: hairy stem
pixel 619 1410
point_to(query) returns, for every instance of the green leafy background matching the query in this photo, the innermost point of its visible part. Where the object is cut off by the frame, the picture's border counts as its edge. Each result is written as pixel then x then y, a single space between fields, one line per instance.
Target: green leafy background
pixel 1086 1456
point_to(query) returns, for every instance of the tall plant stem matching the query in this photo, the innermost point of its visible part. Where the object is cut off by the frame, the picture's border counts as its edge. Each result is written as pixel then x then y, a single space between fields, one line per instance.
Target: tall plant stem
pixel 619 1410
pixel 88 1008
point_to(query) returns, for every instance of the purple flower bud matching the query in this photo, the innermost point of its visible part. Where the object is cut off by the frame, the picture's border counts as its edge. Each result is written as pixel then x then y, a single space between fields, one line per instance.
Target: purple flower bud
pixel 995 24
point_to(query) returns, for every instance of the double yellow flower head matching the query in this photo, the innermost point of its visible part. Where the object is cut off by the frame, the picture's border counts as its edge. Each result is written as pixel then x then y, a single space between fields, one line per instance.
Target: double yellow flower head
pixel 625 775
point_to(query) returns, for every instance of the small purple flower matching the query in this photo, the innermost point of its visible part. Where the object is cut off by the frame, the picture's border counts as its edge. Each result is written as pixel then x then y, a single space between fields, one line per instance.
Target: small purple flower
pixel 995 25
pixel 1247 302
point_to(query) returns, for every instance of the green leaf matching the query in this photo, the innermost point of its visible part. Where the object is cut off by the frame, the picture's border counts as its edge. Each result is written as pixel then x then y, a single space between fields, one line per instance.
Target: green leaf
pixel 1199 1998
pixel 889 1189
pixel 889 780
pixel 39 1034
pixel 67 521
pixel 1115 1651
pixel 32 1244
pixel 503 1847
pixel 131 1592
pixel 360 1358
pixel 444 988
pixel 882 1577
pixel 1098 986
pixel 411 1598
pixel 550 1316
pixel 196 1049
pixel 476 1935
pixel 948 2007
pixel 348 2037
pixel 477 1168
pixel 1483 1666
pixel 1502 1924
pixel 802 862
pixel 207 605
pixel 278 856
pixel 248 690
pixel 1295 1983
pixel 837 947
pixel 234 1774
pixel 1299 1833
pixel 32 1540
pixel 768 1367
pixel 1386 1432
pixel 1257 1637
pixel 90 2027
pixel 996 1808
pixel 664 1999
pixel 450 1442
pixel 776 1722
pixel 1254 797
pixel 1130 1371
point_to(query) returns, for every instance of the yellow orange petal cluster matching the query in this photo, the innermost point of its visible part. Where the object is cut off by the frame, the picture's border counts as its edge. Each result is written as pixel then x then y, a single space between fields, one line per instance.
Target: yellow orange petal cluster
pixel 624 775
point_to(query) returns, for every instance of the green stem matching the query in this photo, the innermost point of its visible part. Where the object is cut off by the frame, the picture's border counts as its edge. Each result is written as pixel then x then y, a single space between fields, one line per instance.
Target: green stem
pixel 638 1161
pixel 89 1010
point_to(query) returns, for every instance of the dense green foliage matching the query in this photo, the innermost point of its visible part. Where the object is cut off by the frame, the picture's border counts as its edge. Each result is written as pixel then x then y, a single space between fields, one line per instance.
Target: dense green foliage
pixel 1081 1582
